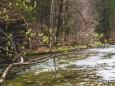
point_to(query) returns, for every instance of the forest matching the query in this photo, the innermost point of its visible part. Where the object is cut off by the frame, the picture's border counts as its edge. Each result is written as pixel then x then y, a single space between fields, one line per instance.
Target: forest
pixel 57 39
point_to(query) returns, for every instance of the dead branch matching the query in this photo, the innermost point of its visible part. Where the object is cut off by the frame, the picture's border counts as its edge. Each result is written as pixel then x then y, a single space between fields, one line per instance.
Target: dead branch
pixel 30 62
pixel 5 73
pixel 22 63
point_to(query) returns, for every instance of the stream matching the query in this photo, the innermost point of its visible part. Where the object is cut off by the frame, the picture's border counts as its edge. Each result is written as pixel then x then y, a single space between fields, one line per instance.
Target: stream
pixel 89 67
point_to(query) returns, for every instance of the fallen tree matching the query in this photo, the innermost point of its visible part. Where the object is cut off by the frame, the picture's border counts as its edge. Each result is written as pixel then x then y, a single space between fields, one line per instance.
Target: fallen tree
pixel 22 62
pixel 17 58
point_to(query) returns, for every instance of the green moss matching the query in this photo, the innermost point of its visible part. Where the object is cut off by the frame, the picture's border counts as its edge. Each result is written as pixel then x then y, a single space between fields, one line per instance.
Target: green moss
pixel 60 49
pixel 63 62
pixel 61 78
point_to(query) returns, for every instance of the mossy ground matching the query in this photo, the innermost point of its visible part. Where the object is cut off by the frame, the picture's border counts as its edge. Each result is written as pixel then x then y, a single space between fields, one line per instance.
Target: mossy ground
pixel 61 78
pixel 55 50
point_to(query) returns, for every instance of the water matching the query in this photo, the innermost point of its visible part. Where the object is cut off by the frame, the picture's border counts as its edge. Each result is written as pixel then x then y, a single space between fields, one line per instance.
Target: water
pixel 103 62
pixel 90 67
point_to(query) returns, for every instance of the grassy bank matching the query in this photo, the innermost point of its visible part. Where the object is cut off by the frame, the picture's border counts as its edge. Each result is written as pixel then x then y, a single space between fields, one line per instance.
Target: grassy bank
pixel 54 50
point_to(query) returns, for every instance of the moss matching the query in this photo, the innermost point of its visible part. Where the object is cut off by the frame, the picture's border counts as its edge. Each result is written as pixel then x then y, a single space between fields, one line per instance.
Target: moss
pixel 60 49
pixel 61 78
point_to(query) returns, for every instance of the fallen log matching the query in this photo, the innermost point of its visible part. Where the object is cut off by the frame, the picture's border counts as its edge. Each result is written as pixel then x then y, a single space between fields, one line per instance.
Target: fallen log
pixel 29 62
pixel 22 63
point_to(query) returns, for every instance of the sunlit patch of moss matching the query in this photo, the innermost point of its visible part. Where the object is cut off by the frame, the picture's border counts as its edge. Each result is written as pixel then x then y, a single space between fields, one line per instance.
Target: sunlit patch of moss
pixel 63 62
pixel 72 66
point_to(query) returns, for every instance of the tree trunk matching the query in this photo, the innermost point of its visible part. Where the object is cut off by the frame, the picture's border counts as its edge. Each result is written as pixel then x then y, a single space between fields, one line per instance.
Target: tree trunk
pixel 59 21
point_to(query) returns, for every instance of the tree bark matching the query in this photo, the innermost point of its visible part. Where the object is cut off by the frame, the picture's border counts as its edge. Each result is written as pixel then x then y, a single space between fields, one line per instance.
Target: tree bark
pixel 59 21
